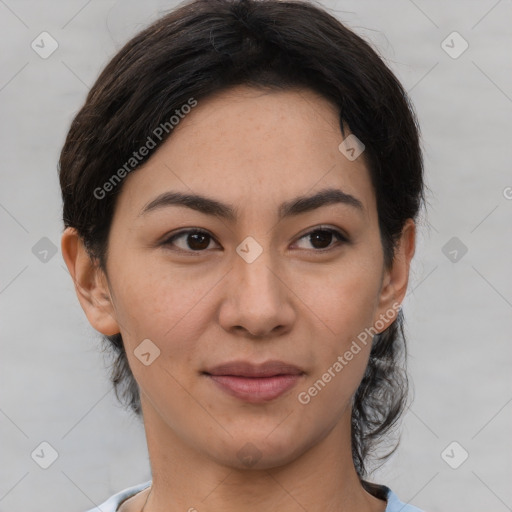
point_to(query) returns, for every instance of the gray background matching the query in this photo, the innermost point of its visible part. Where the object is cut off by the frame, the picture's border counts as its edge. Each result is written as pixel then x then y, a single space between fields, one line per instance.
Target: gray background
pixel 458 313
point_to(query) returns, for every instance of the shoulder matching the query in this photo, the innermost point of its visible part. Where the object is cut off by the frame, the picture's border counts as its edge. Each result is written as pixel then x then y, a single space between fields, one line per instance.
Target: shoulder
pixel 395 505
pixel 114 501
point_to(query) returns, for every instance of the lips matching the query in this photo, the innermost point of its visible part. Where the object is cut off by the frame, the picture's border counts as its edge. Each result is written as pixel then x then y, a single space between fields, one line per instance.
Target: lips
pixel 247 369
pixel 255 383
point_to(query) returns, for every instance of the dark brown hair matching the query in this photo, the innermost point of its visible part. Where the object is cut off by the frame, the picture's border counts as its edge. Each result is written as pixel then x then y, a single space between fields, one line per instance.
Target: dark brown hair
pixel 206 46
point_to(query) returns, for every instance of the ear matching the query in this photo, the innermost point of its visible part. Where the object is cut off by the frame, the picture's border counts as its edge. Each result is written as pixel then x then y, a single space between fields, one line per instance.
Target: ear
pixel 91 285
pixel 396 278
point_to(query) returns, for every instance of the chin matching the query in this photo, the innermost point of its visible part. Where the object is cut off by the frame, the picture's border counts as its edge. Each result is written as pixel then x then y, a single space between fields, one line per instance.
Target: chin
pixel 261 450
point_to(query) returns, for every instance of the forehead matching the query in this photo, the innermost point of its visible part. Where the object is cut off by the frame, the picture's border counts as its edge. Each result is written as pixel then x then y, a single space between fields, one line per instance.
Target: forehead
pixel 252 149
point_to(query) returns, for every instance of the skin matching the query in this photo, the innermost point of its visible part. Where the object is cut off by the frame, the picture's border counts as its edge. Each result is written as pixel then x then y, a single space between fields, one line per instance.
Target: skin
pixel 299 302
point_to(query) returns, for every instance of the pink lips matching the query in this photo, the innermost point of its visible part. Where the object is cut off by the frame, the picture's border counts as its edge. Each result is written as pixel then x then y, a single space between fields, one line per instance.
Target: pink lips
pixel 255 383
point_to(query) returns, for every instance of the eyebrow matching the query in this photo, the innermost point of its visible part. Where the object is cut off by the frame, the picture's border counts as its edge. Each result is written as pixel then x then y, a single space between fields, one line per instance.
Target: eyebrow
pixel 296 206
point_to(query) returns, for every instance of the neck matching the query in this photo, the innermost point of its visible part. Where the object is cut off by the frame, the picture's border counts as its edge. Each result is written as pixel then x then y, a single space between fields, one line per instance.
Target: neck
pixel 322 478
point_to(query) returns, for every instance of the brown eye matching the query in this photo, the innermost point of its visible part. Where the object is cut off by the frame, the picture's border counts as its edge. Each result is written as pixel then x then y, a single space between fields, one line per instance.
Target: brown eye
pixel 322 238
pixel 194 240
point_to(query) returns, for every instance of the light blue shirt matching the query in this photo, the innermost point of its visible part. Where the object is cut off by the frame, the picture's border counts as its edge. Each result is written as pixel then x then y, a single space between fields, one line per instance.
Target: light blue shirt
pixel 111 505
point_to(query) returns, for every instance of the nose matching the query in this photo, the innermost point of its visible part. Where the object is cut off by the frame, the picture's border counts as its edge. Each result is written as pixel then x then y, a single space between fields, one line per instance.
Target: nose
pixel 258 299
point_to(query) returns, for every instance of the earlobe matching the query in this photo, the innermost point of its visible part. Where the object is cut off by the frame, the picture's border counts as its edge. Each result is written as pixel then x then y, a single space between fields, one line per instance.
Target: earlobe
pixel 396 278
pixel 90 283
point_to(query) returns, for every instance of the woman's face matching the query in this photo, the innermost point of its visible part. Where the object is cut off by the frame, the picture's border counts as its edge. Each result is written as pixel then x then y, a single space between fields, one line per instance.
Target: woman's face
pixel 273 276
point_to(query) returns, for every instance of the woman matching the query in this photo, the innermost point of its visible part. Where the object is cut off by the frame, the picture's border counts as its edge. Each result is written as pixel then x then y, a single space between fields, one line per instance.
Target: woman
pixel 240 192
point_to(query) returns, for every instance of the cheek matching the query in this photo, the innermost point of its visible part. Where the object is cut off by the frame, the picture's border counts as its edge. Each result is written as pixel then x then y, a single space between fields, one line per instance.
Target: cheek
pixel 149 291
pixel 342 297
pixel 345 307
pixel 343 300
pixel 170 304
pixel 167 310
pixel 164 304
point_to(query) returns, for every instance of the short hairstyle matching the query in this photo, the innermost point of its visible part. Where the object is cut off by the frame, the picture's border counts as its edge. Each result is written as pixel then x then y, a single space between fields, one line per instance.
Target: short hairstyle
pixel 206 46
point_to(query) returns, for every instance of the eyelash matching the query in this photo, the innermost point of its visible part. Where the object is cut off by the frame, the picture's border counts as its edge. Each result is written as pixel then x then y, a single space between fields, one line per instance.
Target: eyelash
pixel 342 239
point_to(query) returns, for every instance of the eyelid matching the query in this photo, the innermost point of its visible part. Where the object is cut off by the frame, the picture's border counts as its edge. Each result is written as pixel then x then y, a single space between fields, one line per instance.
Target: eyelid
pixel 325 227
pixel 168 239
pixel 343 237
